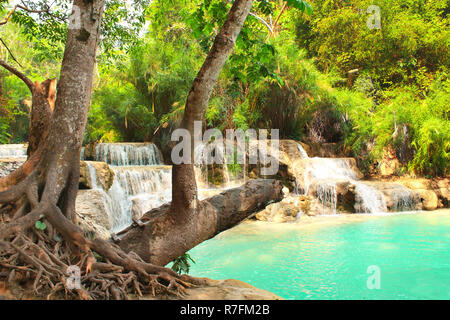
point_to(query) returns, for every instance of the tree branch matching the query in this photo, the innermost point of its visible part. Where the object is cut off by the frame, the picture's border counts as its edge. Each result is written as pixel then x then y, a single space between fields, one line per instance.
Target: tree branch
pixel 25 8
pixel 19 74
pixel 262 21
pixel 12 56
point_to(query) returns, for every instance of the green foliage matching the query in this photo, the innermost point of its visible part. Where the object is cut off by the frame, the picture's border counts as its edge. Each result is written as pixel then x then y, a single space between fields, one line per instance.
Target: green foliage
pixel 181 264
pixel 40 225
pixel 293 77
pixel 404 122
pixel 411 45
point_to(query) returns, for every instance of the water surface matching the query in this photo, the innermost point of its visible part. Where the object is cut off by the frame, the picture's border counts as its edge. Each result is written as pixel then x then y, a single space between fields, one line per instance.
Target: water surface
pixel 328 257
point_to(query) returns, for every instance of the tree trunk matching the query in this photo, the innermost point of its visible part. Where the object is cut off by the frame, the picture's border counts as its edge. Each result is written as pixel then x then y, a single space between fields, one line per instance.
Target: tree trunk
pixel 48 189
pixel 188 221
pixel 52 177
pixel 43 102
pixel 42 105
pixel 213 216
pixel 185 198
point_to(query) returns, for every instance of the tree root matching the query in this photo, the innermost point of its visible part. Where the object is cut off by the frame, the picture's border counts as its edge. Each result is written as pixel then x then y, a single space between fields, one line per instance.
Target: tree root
pixel 33 268
pixel 40 261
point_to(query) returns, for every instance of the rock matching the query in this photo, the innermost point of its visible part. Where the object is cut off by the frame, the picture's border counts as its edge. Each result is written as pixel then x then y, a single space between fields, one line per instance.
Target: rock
pixel 92 215
pixel 443 191
pixel 324 150
pixel 305 205
pixel 346 197
pixel 8 165
pixel 429 199
pixel 228 290
pixel 283 211
pixel 397 196
pixel 104 175
pixel 434 193
pixel 389 164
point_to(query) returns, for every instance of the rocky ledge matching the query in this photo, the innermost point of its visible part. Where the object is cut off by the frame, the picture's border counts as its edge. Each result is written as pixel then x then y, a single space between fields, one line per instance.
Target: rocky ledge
pixel 8 165
pixel 228 290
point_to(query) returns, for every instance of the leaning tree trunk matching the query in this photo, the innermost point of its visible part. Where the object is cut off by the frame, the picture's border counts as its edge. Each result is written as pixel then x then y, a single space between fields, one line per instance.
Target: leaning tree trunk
pixel 47 190
pixel 43 102
pixel 212 216
pixel 173 230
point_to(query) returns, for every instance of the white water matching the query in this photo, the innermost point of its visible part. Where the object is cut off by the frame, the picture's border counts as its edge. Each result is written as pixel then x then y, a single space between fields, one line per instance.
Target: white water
pixel 370 199
pixel 209 154
pixel 128 154
pixel 302 151
pixel 141 183
pixel 324 173
pixel 13 151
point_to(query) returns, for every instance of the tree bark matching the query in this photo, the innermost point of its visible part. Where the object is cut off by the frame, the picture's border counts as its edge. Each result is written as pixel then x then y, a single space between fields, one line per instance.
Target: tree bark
pixel 188 221
pixel 177 228
pixel 42 105
pixel 49 187
pixel 213 216
pixel 185 198
pixel 43 102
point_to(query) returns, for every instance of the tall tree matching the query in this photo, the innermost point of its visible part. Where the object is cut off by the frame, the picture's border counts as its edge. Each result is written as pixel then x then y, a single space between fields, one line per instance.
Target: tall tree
pixel 172 230
pixel 47 190
pixel 44 194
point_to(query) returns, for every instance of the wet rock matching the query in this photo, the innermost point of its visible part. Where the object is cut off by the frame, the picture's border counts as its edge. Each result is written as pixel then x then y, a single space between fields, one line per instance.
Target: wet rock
pixel 285 210
pixel 92 216
pixel 89 151
pixel 346 197
pixel 278 212
pixel 443 191
pixel 433 193
pixel 104 175
pixel 397 196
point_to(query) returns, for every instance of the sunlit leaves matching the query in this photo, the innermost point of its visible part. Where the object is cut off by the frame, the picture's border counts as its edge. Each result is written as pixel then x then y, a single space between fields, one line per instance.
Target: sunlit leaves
pixel 182 264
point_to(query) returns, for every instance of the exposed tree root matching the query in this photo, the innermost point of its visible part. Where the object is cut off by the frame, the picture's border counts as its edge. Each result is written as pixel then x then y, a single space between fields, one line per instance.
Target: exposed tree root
pixel 37 265
pixel 39 259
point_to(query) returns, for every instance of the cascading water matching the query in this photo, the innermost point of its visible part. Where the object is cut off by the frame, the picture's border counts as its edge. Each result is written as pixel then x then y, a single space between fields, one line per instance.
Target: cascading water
pixel 215 154
pixel 138 179
pixel 141 182
pixel 370 199
pixel 326 193
pixel 403 199
pixel 13 151
pixel 302 151
pixel 324 173
pixel 128 154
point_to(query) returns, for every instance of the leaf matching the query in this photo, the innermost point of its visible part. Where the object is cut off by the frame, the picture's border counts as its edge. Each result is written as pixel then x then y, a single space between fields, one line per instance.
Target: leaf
pixel 40 225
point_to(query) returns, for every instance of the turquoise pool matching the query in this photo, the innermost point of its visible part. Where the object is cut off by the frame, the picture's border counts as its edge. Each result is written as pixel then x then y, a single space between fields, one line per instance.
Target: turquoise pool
pixel 329 257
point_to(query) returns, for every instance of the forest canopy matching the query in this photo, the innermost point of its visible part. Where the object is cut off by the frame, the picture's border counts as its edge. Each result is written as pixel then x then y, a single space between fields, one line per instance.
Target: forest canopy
pixel 320 75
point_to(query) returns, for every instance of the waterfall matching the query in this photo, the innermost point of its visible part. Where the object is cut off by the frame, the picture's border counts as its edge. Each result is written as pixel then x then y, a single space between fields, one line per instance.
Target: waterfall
pixel 141 183
pixel 128 154
pixel 326 194
pixel 13 151
pixel 135 190
pixel 324 173
pixel 211 159
pixel 370 199
pixel 302 151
